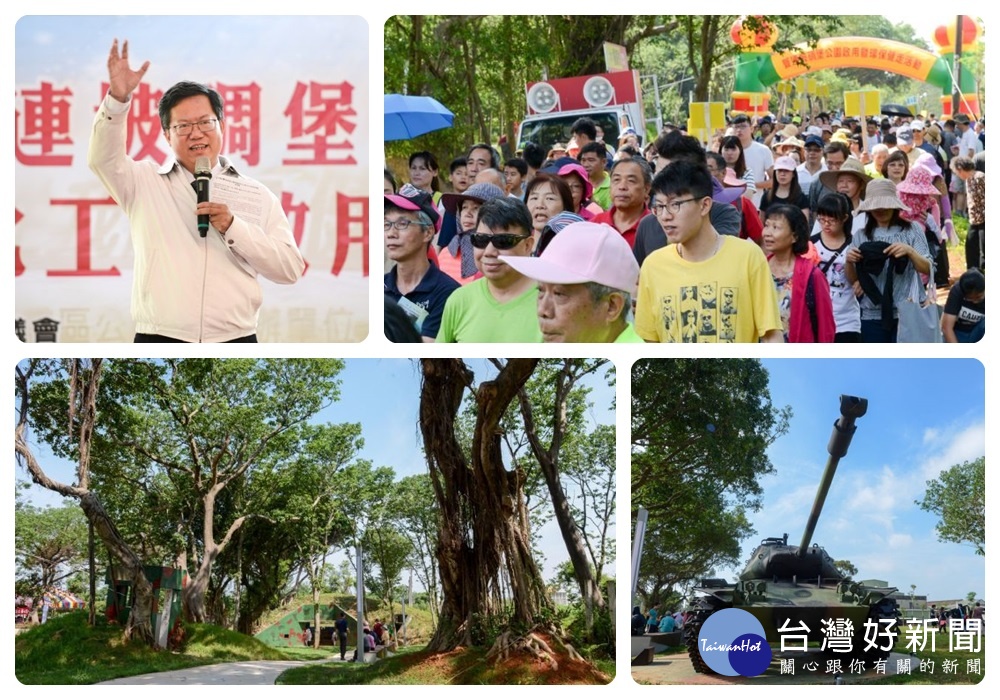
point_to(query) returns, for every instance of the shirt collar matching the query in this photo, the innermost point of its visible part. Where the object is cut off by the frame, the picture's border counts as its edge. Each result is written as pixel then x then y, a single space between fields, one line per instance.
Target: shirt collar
pixel 223 166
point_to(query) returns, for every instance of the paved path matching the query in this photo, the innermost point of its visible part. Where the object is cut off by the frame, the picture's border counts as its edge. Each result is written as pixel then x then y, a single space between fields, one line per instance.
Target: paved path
pixel 239 673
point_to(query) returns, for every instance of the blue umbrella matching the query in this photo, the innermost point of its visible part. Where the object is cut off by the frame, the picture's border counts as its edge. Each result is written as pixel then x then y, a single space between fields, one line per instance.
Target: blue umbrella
pixel 409 116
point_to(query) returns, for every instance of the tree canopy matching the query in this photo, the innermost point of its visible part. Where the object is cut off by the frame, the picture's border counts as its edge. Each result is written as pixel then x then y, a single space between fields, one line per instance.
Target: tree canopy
pixel 958 498
pixel 700 431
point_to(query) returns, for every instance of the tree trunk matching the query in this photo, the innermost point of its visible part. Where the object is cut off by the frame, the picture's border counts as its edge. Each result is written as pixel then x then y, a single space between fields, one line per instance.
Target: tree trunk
pixel 548 461
pixel 84 384
pixel 483 540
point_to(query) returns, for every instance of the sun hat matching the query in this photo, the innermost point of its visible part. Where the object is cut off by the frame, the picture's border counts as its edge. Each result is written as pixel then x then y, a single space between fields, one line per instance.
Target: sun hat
pixel 479 192
pixel 881 194
pixel 919 180
pixel 851 166
pixel 785 163
pixel 409 198
pixel 583 252
pixel 729 189
pixel 577 169
pixel 556 148
pixel 926 160
pixel 783 146
pixel 790 131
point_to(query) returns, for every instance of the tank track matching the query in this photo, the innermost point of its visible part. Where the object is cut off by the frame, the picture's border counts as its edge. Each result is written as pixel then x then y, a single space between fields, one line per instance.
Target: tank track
pixel 692 632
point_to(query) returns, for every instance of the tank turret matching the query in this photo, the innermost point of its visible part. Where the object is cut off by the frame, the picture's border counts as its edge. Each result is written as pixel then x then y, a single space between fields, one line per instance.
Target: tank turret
pixel 786 586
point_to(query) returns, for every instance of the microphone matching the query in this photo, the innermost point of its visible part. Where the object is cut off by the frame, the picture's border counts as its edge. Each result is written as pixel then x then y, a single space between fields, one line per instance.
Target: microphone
pixel 202 174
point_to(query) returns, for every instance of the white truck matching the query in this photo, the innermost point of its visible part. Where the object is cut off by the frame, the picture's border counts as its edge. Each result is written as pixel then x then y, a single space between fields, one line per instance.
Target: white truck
pixel 612 100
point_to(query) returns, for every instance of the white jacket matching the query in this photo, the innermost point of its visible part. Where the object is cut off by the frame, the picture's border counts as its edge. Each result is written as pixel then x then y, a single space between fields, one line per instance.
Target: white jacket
pixel 187 287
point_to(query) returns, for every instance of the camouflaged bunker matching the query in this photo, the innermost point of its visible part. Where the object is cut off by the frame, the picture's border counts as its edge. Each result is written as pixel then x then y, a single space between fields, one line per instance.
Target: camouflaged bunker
pixel 792 589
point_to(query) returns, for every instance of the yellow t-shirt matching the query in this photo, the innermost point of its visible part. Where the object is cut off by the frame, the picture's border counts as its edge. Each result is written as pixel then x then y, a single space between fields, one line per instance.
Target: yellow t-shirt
pixel 729 298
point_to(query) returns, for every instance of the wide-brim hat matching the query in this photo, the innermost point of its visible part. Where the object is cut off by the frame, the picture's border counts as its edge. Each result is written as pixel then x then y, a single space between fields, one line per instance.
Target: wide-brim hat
pixel 727 194
pixel 919 180
pixel 792 142
pixel 790 131
pixel 881 194
pixel 926 160
pixel 581 172
pixel 480 192
pixel 851 166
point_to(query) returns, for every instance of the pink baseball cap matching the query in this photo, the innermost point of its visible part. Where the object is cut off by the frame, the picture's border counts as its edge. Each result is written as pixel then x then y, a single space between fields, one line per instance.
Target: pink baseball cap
pixel 583 252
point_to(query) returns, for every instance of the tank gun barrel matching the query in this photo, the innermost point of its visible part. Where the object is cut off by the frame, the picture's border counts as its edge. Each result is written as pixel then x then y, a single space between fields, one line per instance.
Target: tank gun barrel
pixel 851 408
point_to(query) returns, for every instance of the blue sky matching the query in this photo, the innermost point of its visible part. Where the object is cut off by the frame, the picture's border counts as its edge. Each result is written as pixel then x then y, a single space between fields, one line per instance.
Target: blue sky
pixel 383 395
pixel 923 416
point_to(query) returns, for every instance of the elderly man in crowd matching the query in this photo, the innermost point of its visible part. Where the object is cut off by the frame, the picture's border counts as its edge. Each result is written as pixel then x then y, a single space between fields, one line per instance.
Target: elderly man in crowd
pixel 586 277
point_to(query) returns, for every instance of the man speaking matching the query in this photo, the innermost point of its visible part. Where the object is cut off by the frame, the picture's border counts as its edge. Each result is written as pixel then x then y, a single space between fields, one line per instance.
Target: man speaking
pixel 190 285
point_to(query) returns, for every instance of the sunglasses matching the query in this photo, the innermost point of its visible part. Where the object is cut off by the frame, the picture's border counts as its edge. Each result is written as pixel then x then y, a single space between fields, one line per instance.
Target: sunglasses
pixel 500 241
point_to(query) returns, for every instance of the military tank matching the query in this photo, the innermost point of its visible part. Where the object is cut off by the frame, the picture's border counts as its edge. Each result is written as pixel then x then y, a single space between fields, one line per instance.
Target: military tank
pixel 792 589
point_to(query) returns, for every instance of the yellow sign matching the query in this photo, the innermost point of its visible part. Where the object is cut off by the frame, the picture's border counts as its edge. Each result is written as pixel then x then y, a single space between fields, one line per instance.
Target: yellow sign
pixel 858 103
pixel 698 131
pixel 800 104
pixel 784 88
pixel 708 115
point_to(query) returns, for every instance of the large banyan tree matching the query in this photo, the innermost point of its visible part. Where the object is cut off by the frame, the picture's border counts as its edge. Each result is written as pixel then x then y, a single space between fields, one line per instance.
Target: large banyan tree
pixel 484 550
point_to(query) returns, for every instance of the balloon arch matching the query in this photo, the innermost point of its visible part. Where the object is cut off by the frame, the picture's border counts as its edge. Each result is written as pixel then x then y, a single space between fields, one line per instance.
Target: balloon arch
pixel 758 66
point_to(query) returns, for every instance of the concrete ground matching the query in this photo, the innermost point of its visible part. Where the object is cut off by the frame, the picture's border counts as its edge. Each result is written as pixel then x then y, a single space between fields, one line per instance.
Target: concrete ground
pixel 676 669
pixel 240 673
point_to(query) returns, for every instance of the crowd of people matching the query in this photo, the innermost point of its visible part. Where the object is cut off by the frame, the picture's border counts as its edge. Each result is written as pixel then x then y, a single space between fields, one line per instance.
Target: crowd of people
pixel 779 231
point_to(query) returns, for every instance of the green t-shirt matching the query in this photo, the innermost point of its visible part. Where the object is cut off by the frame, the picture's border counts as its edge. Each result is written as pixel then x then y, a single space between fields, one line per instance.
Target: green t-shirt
pixel 629 335
pixel 602 193
pixel 729 298
pixel 472 315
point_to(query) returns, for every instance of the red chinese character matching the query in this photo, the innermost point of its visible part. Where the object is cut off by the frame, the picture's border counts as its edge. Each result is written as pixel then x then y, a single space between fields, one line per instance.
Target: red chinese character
pixel 881 55
pixel 856 52
pixel 829 53
pixel 899 58
pixel 46 126
pixel 787 62
pixel 909 61
pixel 296 214
pixel 864 52
pixel 83 269
pixel 18 265
pixel 328 111
pixel 916 65
pixel 242 120
pixel 352 215
pixel 836 52
pixel 143 123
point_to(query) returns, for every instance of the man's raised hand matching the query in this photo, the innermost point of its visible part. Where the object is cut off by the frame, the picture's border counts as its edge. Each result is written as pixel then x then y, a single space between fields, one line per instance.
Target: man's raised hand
pixel 123 79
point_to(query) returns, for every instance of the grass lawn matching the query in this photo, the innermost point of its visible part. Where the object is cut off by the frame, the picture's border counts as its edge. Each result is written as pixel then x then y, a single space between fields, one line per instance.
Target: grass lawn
pixel 65 650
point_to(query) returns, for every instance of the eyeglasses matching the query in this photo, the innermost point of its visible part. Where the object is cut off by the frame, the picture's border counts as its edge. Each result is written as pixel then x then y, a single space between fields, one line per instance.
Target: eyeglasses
pixel 673 207
pixel 500 241
pixel 399 224
pixel 204 126
pixel 825 220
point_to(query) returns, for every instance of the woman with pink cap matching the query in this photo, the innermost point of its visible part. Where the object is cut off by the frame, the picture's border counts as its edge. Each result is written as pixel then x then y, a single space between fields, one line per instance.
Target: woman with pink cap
pixel 575 177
